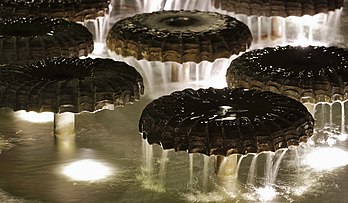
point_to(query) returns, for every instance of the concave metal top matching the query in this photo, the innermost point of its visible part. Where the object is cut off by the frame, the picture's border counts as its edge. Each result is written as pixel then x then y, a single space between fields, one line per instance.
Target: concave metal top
pixel 73 85
pixel 74 10
pixel 24 39
pixel 308 74
pixel 179 36
pixel 225 121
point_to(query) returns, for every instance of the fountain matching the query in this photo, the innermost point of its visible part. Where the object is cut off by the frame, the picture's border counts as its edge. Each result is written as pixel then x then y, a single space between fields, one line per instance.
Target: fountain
pixel 177 47
pixel 66 86
pixel 32 166
pixel 35 38
pixel 287 22
pixel 314 75
pixel 92 14
pixel 225 122
pixel 296 23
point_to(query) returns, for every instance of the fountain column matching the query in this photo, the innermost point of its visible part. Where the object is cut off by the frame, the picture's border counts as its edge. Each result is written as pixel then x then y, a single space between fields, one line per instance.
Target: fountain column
pixel 64 125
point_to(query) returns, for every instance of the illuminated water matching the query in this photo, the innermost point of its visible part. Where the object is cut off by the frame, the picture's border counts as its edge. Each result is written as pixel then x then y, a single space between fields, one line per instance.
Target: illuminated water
pixel 32 170
pixel 320 29
pixel 165 77
pixel 35 168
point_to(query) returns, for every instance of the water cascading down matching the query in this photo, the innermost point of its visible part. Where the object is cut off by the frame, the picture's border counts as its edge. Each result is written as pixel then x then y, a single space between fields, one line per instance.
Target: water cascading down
pixel 173 48
pixel 92 14
pixel 222 123
pixel 315 75
pixel 283 22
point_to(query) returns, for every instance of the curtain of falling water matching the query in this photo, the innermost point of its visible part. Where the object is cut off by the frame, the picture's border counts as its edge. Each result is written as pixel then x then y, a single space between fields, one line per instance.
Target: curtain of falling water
pixel 239 163
pixel 251 178
pixel 163 167
pixel 191 171
pixel 165 77
pixel 343 119
pixel 98 27
pixel 330 122
pixel 148 157
pixel 275 166
pixel 268 31
pixel 268 168
pixel 206 173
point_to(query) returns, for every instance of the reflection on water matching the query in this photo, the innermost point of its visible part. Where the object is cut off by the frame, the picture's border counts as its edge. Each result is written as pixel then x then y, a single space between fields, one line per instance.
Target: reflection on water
pixel 87 170
pixel 31 169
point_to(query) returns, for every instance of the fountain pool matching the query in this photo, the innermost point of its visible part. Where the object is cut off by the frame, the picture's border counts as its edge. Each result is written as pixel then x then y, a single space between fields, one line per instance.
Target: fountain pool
pixel 32 167
pixel 32 164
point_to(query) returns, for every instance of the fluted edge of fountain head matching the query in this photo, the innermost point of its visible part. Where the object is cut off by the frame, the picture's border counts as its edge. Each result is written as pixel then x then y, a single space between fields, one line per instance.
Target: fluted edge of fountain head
pixel 33 38
pixel 282 8
pixel 73 10
pixel 74 85
pixel 308 74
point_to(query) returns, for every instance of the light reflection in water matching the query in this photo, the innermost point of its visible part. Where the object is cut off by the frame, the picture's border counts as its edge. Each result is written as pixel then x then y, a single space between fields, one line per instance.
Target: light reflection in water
pixel 35 117
pixel 87 170
pixel 28 166
pixel 266 193
pixel 326 158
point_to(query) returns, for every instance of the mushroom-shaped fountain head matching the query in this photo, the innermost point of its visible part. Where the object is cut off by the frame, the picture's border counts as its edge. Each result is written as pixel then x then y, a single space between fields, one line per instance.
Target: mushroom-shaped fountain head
pixel 225 121
pixel 179 36
pixel 281 8
pixel 74 10
pixel 61 85
pixel 308 74
pixel 24 39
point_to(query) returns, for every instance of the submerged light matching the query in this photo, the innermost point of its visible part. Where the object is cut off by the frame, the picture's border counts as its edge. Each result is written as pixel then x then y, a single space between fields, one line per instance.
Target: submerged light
pixel 87 170
pixel 327 158
pixel 266 193
pixel 35 117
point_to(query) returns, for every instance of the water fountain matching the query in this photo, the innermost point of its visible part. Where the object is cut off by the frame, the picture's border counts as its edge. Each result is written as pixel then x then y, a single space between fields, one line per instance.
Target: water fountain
pixel 225 122
pixel 66 86
pixel 34 38
pixel 92 14
pixel 271 23
pixel 314 75
pixel 284 22
pixel 32 166
pixel 173 48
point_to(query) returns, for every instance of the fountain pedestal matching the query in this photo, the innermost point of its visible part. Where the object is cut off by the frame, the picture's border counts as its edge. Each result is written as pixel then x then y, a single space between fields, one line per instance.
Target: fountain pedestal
pixel 64 125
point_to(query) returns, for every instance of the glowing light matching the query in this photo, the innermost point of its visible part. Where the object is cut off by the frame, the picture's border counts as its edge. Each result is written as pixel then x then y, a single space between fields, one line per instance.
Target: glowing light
pixel 35 117
pixel 87 170
pixel 300 190
pixel 326 159
pixel 342 137
pixel 331 141
pixel 266 193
